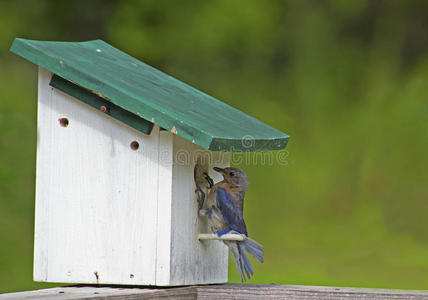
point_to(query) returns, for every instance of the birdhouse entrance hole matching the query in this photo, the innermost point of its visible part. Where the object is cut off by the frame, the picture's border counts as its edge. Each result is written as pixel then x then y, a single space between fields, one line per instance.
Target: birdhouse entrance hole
pixel 135 145
pixel 63 122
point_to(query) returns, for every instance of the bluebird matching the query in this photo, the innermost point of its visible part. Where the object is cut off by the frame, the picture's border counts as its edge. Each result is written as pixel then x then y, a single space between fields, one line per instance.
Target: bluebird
pixel 225 215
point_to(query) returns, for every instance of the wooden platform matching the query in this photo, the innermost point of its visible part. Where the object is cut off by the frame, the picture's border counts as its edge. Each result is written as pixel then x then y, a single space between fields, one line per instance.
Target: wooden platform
pixel 222 292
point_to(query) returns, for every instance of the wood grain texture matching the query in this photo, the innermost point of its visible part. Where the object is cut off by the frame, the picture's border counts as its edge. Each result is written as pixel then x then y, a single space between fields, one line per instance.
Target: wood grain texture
pixel 163 225
pixel 152 95
pixel 224 292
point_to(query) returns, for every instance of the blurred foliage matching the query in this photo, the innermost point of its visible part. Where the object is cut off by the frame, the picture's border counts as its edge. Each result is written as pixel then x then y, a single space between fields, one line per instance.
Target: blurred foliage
pixel 345 78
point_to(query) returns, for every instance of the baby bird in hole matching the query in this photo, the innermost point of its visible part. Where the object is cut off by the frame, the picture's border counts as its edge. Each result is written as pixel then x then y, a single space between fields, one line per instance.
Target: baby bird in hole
pixel 224 211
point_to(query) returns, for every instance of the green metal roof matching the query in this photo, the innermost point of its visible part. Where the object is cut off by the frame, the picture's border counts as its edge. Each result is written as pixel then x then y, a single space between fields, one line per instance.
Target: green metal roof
pixel 137 88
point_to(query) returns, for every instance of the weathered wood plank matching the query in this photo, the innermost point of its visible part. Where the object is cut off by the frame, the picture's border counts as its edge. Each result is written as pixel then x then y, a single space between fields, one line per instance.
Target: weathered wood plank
pixel 164 226
pixel 224 292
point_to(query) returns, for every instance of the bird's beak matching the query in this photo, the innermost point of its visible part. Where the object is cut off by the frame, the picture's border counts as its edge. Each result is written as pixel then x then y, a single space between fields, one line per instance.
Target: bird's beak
pixel 220 170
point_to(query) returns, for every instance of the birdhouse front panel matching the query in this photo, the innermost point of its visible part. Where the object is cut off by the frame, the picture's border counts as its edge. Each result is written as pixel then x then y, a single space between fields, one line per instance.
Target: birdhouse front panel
pixel 96 195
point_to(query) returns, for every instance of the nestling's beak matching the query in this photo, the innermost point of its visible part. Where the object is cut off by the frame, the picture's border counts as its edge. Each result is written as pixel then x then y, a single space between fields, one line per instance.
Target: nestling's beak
pixel 220 170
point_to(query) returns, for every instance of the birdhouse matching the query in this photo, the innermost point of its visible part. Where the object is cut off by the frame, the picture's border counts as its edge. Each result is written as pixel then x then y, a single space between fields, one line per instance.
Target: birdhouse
pixel 117 145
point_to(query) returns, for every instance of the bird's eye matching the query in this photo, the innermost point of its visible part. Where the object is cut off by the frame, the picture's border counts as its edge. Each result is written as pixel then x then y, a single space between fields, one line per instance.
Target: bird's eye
pixel 231 174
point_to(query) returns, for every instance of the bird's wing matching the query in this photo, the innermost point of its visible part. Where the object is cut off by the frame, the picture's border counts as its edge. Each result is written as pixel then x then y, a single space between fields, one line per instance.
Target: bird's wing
pixel 230 214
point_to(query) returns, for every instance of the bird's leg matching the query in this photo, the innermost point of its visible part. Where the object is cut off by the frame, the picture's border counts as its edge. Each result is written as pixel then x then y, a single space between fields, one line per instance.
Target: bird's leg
pixel 209 180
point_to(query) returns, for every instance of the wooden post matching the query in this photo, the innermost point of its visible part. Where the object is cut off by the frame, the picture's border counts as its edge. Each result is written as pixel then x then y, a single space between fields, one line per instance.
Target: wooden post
pixel 224 292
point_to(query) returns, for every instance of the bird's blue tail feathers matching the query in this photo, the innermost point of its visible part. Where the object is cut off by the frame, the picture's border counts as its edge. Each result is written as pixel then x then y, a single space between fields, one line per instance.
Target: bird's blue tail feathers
pixel 254 248
pixel 242 262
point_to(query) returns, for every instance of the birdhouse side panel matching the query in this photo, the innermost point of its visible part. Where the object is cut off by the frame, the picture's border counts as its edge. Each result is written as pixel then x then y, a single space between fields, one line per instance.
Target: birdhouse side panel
pixel 96 195
pixel 194 261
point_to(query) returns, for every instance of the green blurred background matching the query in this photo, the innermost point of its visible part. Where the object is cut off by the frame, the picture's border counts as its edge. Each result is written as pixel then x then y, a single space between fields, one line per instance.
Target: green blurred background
pixel 347 80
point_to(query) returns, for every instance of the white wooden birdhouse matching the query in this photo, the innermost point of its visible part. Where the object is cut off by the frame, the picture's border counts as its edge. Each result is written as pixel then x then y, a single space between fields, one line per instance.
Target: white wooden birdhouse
pixel 117 145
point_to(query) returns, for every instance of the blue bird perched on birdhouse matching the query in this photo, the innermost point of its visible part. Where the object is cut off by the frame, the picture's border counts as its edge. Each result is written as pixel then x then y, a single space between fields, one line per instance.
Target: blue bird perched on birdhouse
pixel 225 215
